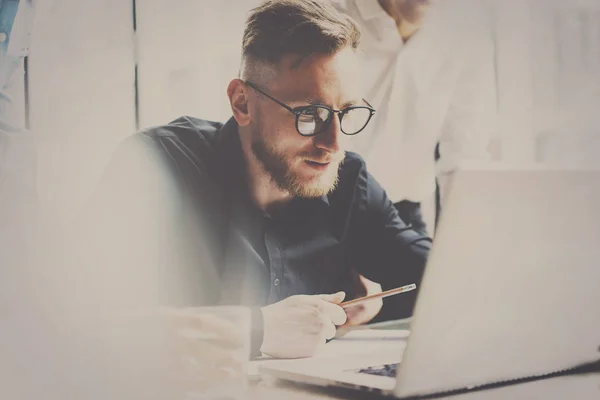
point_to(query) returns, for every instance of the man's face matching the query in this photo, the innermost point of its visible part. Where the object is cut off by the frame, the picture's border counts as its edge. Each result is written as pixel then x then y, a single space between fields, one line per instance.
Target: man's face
pixel 305 166
pixel 413 11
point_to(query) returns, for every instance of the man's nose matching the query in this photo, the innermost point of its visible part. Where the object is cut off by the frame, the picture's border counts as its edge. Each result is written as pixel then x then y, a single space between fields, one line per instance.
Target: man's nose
pixel 330 139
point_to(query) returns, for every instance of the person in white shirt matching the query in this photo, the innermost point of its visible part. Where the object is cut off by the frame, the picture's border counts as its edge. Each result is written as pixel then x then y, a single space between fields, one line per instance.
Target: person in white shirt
pixel 429 72
pixel 428 69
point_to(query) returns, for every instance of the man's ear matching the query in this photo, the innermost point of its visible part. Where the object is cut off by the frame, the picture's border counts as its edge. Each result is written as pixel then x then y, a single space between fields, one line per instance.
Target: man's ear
pixel 237 91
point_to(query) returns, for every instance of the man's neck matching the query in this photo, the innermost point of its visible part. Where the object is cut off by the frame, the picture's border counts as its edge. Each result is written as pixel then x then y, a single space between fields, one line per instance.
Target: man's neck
pixel 265 194
pixel 406 29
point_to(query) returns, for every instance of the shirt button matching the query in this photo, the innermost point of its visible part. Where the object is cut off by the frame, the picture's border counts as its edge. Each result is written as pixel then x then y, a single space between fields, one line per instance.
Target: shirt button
pixel 3 37
pixel 276 282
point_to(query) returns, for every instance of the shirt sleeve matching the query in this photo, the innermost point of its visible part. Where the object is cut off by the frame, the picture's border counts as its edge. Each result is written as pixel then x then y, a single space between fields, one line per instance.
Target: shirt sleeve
pixel 136 217
pixel 389 251
pixel 470 119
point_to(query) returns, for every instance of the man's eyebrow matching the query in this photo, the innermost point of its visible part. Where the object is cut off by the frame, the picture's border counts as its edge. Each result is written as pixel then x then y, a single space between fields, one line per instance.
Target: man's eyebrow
pixel 314 101
pixel 317 102
pixel 349 104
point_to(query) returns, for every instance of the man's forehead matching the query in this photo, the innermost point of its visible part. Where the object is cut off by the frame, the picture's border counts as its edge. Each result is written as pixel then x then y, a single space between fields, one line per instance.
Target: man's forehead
pixel 319 77
pixel 346 59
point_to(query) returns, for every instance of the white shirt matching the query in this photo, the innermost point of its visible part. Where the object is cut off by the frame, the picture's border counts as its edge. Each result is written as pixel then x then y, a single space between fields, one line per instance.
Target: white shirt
pixel 438 87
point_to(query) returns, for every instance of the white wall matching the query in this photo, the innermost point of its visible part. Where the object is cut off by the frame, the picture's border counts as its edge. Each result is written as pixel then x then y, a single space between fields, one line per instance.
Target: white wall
pixel 188 51
pixel 549 80
pixel 567 86
pixel 82 62
pixel 81 93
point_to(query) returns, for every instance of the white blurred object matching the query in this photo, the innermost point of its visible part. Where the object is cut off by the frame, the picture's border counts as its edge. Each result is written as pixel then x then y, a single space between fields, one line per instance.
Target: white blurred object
pixel 439 86
pixel 548 67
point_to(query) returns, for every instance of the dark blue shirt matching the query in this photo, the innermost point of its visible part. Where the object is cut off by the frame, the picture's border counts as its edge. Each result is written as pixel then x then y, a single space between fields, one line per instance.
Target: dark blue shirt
pixel 308 246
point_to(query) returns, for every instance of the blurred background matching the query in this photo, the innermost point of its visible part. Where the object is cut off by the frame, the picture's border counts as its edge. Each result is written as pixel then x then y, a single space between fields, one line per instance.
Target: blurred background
pixel 100 70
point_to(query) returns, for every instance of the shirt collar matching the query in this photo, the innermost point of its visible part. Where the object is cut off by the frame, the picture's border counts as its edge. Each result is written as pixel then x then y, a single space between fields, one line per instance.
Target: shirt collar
pixel 230 159
pixel 370 9
pixel 301 209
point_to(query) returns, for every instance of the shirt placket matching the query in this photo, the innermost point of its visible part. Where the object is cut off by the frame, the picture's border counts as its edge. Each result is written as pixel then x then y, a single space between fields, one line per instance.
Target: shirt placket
pixel 276 266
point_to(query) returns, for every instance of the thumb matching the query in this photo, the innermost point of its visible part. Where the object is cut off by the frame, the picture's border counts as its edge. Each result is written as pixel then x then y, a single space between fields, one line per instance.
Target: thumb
pixel 335 298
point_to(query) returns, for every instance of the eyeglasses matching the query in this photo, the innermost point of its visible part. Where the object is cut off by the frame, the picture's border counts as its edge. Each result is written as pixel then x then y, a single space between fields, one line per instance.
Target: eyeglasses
pixel 314 119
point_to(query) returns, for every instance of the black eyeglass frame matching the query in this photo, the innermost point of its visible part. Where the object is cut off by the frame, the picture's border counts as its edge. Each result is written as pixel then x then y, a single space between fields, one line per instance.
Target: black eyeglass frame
pixel 297 111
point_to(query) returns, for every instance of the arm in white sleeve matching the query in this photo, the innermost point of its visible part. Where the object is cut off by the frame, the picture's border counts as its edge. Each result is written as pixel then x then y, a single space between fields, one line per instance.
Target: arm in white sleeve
pixel 471 116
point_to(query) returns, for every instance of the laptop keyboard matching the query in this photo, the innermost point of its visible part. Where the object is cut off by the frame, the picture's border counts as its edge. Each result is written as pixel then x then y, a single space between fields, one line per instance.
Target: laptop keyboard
pixel 388 370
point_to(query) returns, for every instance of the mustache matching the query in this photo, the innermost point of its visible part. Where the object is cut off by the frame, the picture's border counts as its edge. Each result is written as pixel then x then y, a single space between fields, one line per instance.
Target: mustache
pixel 323 157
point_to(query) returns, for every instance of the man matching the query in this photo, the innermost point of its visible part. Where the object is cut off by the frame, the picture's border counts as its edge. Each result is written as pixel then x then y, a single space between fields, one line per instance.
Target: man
pixel 428 67
pixel 288 218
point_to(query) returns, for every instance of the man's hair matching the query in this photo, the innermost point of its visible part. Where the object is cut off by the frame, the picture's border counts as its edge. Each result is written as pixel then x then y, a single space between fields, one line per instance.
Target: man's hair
pixel 299 27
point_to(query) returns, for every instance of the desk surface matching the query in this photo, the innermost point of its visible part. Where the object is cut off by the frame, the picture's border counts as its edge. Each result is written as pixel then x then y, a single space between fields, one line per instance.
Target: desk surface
pixel 582 387
pixel 357 343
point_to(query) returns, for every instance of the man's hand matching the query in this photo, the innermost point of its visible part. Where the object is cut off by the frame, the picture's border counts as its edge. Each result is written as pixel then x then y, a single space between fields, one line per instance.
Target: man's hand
pixel 297 326
pixel 365 312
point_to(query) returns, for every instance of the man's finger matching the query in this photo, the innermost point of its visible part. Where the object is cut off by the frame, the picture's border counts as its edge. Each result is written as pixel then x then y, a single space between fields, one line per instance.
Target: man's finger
pixel 352 312
pixel 335 298
pixel 330 329
pixel 336 314
pixel 370 286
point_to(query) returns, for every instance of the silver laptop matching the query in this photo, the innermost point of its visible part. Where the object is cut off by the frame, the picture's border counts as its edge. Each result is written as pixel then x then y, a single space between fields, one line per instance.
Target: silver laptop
pixel 511 289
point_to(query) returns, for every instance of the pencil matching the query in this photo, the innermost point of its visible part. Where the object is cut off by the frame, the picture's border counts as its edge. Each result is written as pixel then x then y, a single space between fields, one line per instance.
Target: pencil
pixel 381 295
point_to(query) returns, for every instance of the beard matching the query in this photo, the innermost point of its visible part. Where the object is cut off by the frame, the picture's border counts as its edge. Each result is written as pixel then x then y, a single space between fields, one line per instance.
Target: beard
pixel 278 165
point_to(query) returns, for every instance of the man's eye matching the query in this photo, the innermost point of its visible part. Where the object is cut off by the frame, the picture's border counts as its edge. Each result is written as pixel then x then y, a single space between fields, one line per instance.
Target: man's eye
pixel 317 113
pixel 310 112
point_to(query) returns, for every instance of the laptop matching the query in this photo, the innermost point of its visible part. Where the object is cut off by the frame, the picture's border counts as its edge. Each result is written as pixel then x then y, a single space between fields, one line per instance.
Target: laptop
pixel 511 290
